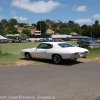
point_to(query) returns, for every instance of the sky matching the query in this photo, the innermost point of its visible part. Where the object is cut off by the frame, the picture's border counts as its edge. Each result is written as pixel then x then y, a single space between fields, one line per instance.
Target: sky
pixel 32 11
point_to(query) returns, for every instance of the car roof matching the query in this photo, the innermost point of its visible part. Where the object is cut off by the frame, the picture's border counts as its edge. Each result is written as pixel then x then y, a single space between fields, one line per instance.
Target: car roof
pixel 53 42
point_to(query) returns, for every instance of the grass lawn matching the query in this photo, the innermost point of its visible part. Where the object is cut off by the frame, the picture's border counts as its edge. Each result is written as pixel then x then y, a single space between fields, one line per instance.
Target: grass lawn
pixel 94 53
pixel 10 52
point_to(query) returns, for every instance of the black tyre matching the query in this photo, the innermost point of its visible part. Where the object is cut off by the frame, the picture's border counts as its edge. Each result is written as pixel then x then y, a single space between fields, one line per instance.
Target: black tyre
pixel 28 56
pixel 57 59
pixel 74 59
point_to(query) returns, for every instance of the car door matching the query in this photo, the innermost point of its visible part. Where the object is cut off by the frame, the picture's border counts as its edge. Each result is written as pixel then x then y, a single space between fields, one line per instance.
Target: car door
pixel 41 51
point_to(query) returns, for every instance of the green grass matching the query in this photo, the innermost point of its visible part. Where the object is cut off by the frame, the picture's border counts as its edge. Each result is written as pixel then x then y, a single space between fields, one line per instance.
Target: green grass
pixel 10 52
pixel 94 52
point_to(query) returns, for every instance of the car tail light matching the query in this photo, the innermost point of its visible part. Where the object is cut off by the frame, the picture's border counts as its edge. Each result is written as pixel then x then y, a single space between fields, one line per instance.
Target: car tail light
pixel 76 53
pixel 86 52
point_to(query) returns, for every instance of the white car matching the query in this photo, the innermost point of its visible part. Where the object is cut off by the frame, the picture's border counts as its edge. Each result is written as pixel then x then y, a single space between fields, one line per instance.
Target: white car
pixel 57 51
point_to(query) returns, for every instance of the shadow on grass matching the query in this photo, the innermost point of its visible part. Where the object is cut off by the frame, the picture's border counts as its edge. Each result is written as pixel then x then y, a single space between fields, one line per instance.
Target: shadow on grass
pixel 46 61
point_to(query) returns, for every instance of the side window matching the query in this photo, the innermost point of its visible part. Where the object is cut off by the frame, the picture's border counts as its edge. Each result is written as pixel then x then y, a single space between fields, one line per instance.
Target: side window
pixel 41 46
pixel 49 46
pixel 45 46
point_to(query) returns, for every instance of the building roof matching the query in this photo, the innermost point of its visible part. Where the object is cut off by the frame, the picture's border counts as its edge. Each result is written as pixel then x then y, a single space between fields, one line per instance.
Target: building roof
pixel 12 35
pixel 79 37
pixel 61 36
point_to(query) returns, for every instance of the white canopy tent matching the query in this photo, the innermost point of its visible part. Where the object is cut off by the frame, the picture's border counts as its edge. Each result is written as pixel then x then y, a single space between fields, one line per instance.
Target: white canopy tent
pixel 2 37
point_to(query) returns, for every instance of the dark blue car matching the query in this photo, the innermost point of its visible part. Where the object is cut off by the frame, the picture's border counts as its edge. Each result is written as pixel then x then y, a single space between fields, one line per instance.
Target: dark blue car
pixel 88 42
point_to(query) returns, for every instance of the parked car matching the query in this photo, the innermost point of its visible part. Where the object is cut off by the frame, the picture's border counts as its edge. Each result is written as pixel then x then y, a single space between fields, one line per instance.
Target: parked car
pixel 88 42
pixel 57 51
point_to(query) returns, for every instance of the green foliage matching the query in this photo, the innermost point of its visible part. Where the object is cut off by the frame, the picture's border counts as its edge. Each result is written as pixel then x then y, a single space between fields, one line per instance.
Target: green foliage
pixel 27 32
pixel 23 36
pixel 41 26
pixel 63 31
pixel 12 30
pixel 7 27
pixel 96 22
pixel 4 22
pixel 54 27
pixel 33 24
pixel 83 26
pixel 48 23
pixel 13 22
pixel 2 30
pixel 1 26
pixel 22 24
pixel 92 30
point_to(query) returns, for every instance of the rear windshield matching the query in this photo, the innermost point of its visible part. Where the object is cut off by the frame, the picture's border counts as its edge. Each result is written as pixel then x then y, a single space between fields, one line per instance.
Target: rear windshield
pixel 64 45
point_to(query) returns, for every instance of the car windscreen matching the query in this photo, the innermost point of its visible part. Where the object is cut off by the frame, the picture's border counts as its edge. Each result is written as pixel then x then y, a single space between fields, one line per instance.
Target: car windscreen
pixel 64 45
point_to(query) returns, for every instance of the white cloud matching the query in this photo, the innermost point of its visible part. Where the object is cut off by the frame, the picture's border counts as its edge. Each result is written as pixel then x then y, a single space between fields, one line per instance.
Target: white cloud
pixel 83 21
pixel 20 18
pixel 96 16
pixel 1 9
pixel 81 8
pixel 36 6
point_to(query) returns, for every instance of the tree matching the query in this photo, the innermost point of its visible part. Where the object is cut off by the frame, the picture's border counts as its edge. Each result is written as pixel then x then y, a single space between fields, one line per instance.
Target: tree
pixel 2 30
pixel 23 36
pixel 13 22
pixel 96 31
pixel 59 24
pixel 33 24
pixel 96 22
pixel 10 27
pixel 76 30
pixel 22 24
pixel 54 27
pixel 4 22
pixel 41 26
pixel 26 31
pixel 63 31
pixel 12 30
pixel 83 26
pixel 70 24
pixel 7 27
pixel 48 23
pixel 87 31
pixel 1 26
pixel 63 25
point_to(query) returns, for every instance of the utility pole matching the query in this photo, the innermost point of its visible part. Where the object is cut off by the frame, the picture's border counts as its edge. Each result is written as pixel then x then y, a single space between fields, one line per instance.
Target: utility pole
pixel 91 32
pixel 40 25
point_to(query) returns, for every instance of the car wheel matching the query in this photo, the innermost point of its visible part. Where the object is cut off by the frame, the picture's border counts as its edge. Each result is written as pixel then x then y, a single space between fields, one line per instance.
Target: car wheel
pixel 74 59
pixel 28 56
pixel 57 59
